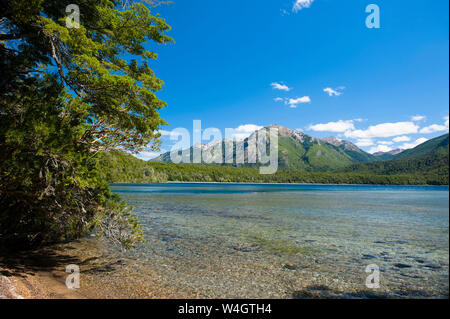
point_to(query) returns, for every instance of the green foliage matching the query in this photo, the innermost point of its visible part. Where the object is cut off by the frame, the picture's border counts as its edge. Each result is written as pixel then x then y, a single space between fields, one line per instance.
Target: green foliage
pixel 89 61
pixel 385 157
pixel 118 167
pixel 65 95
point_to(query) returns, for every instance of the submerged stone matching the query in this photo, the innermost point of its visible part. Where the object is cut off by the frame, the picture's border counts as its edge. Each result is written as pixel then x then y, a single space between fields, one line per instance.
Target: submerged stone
pixel 400 265
pixel 433 266
pixel 291 267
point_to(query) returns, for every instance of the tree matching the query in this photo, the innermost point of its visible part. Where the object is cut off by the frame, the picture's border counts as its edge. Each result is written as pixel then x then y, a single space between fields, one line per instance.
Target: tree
pixel 66 94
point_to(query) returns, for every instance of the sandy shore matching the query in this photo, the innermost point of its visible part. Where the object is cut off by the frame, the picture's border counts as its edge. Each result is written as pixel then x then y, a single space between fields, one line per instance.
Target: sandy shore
pixel 41 274
pixel 38 274
pixel 39 285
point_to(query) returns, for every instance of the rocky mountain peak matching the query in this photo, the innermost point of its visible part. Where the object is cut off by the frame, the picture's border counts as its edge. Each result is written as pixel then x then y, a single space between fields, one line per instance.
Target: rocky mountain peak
pixel 340 143
pixel 287 132
pixel 393 152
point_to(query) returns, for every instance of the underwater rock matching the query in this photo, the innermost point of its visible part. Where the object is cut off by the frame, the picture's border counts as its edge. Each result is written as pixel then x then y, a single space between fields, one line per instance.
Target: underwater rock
pixel 400 265
pixel 291 267
pixel 433 266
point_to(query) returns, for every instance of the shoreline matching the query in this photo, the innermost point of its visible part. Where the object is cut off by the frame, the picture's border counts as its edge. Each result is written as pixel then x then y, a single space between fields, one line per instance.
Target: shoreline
pixel 307 184
pixel 253 183
pixel 41 274
pixel 35 285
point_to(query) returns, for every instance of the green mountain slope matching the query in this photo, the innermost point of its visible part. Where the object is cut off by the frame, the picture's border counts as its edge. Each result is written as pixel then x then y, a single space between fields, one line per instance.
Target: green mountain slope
pixel 351 150
pixel 430 158
pixel 119 167
pixel 438 145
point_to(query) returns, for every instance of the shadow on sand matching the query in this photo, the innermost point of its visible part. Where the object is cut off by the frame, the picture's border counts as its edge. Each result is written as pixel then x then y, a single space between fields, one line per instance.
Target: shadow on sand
pixel 56 258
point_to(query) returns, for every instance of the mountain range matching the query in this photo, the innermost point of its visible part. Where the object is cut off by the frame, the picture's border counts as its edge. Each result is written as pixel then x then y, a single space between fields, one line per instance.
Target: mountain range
pixel 299 151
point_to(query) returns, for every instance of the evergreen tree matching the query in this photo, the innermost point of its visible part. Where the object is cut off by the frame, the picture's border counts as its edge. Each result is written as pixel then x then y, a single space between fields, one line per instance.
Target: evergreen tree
pixel 66 94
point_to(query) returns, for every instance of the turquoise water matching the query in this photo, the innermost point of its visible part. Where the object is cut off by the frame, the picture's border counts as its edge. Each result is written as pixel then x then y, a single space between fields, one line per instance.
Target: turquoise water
pixel 293 241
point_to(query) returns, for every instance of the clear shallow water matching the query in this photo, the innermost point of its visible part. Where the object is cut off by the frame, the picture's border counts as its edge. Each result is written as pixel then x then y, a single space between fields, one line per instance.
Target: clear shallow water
pixel 284 241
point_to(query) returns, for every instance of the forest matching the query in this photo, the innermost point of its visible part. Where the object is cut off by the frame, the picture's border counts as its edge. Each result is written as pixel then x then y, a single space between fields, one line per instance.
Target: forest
pixel 118 167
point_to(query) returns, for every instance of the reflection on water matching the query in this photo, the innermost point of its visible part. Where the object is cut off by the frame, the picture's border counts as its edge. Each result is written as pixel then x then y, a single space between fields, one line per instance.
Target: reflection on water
pixel 283 241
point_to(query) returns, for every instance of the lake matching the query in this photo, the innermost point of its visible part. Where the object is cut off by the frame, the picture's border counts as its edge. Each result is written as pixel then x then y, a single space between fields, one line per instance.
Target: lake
pixel 292 241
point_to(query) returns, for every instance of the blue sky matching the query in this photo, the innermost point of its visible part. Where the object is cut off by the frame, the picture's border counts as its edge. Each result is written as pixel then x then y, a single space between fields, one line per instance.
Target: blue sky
pixel 314 67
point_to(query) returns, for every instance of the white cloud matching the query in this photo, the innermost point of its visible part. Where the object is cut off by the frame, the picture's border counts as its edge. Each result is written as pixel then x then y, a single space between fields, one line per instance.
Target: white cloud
pixel 364 142
pixel 401 139
pixel 281 87
pixel 170 133
pixel 446 121
pixel 384 130
pixel 148 155
pixel 414 144
pixel 249 128
pixel 294 102
pixel 433 128
pixel 418 118
pixel 300 4
pixel 380 148
pixel 385 142
pixel 243 131
pixel 421 140
pixel 339 126
pixel 335 92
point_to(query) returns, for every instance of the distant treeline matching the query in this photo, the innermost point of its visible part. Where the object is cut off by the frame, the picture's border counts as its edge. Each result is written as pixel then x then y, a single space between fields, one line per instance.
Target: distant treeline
pixel 124 168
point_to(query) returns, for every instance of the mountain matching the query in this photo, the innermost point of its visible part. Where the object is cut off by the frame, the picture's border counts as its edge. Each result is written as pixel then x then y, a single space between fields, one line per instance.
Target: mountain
pixel 436 146
pixel 429 158
pixel 385 156
pixel 350 149
pixel 296 150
